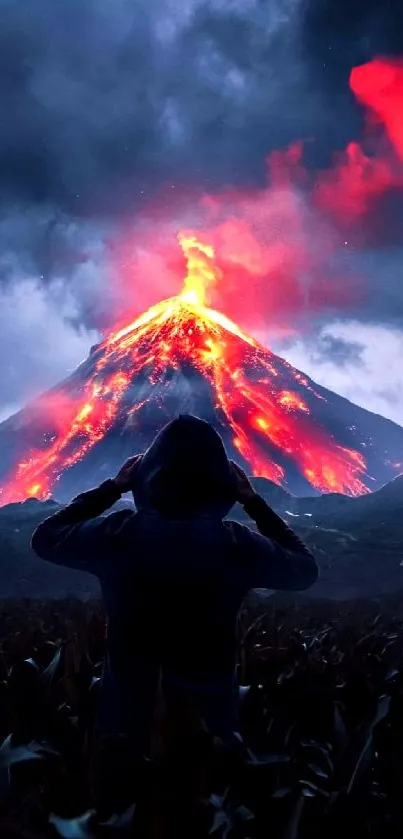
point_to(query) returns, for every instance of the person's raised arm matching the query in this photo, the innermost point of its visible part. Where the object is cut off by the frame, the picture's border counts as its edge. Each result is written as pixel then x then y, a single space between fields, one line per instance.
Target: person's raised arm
pixel 78 535
pixel 278 557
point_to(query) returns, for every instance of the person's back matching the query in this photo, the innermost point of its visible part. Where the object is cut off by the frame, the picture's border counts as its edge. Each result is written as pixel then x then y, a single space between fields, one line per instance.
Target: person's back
pixel 184 590
pixel 174 573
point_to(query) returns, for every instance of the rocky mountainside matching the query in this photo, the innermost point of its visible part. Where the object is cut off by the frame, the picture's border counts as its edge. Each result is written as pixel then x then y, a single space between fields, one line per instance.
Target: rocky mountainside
pixel 179 358
pixel 358 543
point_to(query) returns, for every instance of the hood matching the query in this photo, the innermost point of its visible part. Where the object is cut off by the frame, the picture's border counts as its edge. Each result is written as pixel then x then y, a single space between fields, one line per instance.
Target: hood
pixel 185 471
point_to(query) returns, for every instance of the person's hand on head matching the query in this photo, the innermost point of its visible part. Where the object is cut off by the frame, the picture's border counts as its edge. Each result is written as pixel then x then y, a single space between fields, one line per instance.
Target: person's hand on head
pixel 126 477
pixel 243 487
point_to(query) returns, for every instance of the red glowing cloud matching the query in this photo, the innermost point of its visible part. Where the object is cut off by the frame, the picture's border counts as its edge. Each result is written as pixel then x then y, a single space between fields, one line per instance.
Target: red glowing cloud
pixel 276 246
pixel 273 251
pixel 379 86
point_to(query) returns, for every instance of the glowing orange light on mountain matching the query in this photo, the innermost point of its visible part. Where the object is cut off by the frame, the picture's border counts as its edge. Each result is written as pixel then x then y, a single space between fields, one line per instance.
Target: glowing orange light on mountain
pixel 182 330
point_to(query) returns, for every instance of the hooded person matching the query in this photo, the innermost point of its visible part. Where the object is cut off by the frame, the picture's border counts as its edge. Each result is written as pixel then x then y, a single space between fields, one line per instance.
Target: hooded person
pixel 185 472
pixel 173 575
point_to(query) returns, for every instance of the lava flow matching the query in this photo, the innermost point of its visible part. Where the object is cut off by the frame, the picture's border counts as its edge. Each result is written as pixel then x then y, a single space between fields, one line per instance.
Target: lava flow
pixel 262 401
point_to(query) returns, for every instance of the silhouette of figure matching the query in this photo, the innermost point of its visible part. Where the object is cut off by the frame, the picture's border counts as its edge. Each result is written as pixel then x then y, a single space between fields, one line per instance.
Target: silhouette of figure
pixel 173 576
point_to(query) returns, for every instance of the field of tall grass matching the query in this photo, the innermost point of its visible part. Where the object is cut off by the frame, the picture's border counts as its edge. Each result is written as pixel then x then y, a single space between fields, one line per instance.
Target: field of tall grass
pixel 321 697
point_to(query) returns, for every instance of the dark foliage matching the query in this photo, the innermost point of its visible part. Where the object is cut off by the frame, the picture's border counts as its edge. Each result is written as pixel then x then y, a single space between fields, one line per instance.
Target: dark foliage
pixel 322 722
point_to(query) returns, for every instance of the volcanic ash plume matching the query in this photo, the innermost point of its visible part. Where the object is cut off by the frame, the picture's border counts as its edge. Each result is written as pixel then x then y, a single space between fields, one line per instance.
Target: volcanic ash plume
pixel 181 355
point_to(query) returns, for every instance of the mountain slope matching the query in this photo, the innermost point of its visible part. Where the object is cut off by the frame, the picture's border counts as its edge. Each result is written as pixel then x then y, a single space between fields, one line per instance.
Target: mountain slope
pixel 180 357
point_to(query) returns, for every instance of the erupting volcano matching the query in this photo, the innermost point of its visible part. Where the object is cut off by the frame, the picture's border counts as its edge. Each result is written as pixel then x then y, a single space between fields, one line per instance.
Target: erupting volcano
pixel 182 356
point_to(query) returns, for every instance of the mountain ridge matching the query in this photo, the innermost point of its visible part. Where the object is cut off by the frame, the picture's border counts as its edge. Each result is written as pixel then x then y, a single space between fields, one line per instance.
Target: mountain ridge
pixel 360 556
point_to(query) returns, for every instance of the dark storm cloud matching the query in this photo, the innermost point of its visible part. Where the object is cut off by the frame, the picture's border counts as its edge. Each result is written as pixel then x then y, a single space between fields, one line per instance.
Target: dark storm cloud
pixel 342 353
pixel 325 347
pixel 104 98
pixel 354 30
pixel 383 300
pixel 103 101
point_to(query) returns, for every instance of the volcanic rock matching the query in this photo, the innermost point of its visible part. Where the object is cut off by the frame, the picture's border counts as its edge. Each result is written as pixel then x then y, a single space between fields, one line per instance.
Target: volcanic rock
pixel 180 358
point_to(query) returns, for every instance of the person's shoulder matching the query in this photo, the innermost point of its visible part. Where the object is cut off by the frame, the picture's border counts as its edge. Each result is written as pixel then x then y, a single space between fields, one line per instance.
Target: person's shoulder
pixel 238 532
pixel 119 519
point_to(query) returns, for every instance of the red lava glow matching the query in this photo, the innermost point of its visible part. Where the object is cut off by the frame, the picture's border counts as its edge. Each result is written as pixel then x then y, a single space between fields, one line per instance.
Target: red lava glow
pixel 379 86
pixel 183 330
pixel 265 256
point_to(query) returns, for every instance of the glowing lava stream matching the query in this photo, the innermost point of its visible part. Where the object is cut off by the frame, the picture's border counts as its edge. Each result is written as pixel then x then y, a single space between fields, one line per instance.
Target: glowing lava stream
pixel 183 331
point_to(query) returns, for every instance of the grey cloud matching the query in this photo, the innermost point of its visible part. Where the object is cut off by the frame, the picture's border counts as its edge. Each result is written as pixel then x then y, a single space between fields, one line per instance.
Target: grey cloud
pixel 99 99
pixel 381 275
pixel 342 353
pixel 375 383
pixel 39 342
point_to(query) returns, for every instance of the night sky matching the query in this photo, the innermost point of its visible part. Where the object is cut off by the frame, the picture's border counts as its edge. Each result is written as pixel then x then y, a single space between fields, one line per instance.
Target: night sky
pixel 109 107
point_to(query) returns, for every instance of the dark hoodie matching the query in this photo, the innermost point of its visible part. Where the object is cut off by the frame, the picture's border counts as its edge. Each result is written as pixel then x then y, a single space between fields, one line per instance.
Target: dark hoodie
pixel 173 575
